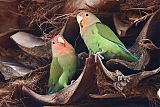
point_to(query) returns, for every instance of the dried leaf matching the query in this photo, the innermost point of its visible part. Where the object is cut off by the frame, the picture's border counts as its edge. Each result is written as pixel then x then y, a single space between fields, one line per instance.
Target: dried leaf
pixel 8 0
pixel 39 1
pixel 122 82
pixel 116 96
pixel 120 26
pixel 148 30
pixel 32 61
pixel 10 68
pixel 32 45
pixel 100 5
pixel 8 11
pixel 124 24
pixel 149 41
pixel 8 52
pixel 72 93
pixel 142 43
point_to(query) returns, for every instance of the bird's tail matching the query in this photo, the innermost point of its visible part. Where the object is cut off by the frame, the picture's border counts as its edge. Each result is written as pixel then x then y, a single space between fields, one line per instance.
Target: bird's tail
pixel 132 57
pixel 54 89
pixel 129 56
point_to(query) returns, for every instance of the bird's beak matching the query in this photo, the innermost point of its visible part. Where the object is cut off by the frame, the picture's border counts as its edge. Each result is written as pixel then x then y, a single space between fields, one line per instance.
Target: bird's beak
pixel 60 40
pixel 79 19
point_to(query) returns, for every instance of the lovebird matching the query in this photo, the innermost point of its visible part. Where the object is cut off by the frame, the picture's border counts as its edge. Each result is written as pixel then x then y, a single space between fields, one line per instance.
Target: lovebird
pixel 63 65
pixel 99 38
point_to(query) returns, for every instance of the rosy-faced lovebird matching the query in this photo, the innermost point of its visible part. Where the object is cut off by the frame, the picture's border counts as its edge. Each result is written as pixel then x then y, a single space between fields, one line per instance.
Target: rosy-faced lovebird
pixel 63 65
pixel 100 38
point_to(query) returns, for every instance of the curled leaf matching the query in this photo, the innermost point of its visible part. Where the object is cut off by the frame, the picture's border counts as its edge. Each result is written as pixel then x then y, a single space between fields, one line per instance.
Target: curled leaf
pixel 142 43
pixel 129 24
pixel 149 41
pixel 7 12
pixel 122 82
pixel 101 5
pixel 32 45
pixel 120 26
pixel 72 93
pixel 10 68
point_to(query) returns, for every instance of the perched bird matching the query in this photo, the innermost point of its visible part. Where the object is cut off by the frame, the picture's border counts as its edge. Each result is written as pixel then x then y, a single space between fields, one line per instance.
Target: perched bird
pixel 63 66
pixel 99 38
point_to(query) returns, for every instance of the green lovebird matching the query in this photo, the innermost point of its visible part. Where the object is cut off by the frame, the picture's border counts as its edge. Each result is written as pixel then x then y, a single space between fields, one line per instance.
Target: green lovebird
pixel 63 65
pixel 99 38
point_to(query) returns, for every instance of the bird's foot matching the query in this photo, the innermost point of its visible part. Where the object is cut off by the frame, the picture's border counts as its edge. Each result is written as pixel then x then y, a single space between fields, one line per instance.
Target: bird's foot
pixel 69 84
pixel 98 54
pixel 72 82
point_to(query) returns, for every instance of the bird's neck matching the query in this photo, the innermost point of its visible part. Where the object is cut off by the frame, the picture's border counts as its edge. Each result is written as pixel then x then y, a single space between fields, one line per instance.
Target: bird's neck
pixel 84 28
pixel 61 50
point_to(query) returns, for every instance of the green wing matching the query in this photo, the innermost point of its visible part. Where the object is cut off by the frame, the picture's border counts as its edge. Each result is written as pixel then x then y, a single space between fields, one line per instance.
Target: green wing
pixel 107 33
pixel 55 72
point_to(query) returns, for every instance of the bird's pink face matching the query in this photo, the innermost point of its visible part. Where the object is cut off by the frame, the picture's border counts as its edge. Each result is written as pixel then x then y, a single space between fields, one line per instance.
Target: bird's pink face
pixel 82 19
pixel 60 46
pixel 59 41
pixel 86 19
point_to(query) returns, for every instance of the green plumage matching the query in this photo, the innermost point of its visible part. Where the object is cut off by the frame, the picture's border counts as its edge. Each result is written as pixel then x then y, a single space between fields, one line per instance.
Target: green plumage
pixel 100 38
pixel 61 71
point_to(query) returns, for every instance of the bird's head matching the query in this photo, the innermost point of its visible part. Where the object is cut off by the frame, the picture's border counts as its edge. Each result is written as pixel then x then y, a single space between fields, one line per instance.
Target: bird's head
pixel 59 40
pixel 86 19
pixel 60 46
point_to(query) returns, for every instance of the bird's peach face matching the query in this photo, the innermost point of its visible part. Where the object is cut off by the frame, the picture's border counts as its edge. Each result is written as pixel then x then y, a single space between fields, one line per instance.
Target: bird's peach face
pixel 86 19
pixel 58 40
pixel 82 18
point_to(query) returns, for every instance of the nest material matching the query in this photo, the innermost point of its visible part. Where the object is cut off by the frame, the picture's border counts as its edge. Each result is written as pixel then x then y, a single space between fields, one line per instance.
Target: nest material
pixel 95 81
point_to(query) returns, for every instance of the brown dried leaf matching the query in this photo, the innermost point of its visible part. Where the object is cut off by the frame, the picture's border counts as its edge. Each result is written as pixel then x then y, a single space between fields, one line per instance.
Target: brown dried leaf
pixel 139 65
pixel 8 52
pixel 149 41
pixel 124 22
pixel 8 0
pixel 8 16
pixel 32 45
pixel 5 41
pixel 123 83
pixel 32 62
pixel 100 5
pixel 10 68
pixel 142 43
pixel 120 26
pixel 71 93
pixel 39 1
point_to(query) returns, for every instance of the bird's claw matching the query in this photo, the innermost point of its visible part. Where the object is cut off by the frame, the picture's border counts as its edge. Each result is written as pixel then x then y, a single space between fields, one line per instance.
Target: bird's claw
pixel 72 82
pixel 69 84
pixel 98 54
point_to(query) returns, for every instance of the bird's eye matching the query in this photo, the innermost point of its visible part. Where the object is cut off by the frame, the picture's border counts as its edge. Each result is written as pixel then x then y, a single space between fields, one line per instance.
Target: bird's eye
pixel 87 14
pixel 53 43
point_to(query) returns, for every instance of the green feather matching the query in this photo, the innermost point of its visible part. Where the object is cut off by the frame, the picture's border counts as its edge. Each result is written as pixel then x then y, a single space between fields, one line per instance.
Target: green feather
pixel 55 72
pixel 100 38
pixel 107 33
pixel 61 71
